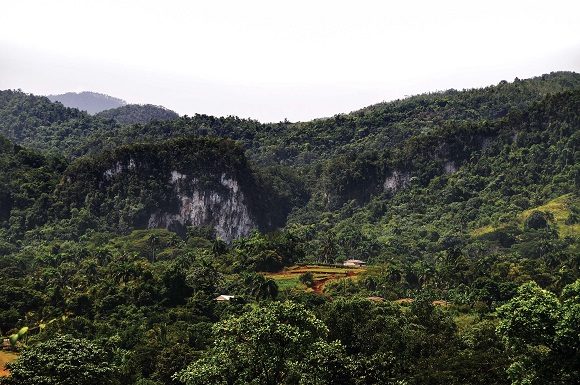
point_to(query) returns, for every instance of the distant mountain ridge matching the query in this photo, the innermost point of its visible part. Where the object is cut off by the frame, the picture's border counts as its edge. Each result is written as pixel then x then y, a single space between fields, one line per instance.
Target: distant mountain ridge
pixel 49 126
pixel 91 102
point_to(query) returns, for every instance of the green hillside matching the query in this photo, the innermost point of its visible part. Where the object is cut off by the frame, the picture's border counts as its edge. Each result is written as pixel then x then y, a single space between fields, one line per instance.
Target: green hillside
pixel 204 250
pixel 561 213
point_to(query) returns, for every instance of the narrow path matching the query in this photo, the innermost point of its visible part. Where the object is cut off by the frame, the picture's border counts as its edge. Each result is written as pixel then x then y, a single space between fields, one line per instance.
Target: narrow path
pixel 318 285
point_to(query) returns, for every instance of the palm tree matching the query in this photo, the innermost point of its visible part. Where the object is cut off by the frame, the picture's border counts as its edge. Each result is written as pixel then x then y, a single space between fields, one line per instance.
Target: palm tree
pixel 154 243
pixel 103 255
pixel 261 287
pixel 329 248
pixel 425 273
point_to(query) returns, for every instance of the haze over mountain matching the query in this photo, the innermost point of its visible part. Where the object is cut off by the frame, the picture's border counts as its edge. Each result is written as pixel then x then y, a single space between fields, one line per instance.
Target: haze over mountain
pixel 91 102
pixel 269 61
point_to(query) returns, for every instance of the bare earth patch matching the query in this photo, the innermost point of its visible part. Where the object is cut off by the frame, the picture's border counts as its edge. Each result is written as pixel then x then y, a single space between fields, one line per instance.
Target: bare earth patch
pixel 5 358
pixel 289 277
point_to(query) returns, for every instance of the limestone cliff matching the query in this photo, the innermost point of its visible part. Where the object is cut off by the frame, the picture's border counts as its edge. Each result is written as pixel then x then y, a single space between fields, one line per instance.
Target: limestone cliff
pixel 225 209
pixel 175 184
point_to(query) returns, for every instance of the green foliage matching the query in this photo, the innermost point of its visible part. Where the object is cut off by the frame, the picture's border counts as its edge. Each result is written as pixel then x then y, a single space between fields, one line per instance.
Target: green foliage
pixel 529 318
pixel 64 360
pixel 536 220
pixel 455 199
pixel 279 342
pixel 307 279
pixel 541 335
pixel 136 113
pixel 260 287
pixel 22 113
pixel 27 180
pixel 568 326
pixel 36 122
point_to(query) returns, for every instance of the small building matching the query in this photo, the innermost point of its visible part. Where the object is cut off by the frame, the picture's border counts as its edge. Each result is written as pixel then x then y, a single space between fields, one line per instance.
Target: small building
pixel 224 297
pixel 354 263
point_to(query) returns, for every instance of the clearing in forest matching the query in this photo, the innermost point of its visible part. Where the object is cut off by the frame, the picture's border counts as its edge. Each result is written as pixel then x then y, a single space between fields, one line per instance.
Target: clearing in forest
pixel 289 277
pixel 560 209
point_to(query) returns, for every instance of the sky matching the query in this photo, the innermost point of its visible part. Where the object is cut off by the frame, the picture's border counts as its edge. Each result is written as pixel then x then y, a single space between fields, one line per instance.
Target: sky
pixel 272 60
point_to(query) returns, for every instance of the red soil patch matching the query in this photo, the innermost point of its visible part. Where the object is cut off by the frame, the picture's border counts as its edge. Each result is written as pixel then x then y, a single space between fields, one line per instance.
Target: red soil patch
pixel 322 274
pixel 6 357
pixel 318 285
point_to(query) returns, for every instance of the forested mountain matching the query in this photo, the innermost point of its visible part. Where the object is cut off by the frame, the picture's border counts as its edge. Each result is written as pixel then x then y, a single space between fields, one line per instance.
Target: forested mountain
pixel 374 128
pixel 36 122
pixel 27 179
pixel 22 114
pixel 91 102
pixel 116 237
pixel 137 113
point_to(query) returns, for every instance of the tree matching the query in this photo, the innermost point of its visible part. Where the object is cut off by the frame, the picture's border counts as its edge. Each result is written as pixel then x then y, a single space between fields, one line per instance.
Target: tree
pixel 153 242
pixel 273 344
pixel 64 360
pixel 261 287
pixel 529 319
pixel 541 335
pixel 203 276
pixel 307 279
pixel 171 360
pixel 567 337
pixel 536 220
pixel 373 333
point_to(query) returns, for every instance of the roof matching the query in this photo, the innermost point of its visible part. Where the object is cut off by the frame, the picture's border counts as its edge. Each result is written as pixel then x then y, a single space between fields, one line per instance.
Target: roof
pixel 224 297
pixel 354 261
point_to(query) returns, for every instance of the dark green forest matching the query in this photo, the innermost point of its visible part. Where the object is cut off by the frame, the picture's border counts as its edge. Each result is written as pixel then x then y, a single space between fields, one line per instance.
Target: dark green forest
pixel 119 230
pixel 136 113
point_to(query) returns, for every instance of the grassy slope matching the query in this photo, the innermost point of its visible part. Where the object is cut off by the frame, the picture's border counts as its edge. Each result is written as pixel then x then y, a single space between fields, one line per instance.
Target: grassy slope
pixel 559 209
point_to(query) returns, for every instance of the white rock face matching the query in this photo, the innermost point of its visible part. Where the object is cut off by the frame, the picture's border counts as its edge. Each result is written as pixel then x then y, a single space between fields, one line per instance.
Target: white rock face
pixel 116 169
pixel 175 176
pixel 450 167
pixel 396 181
pixel 226 211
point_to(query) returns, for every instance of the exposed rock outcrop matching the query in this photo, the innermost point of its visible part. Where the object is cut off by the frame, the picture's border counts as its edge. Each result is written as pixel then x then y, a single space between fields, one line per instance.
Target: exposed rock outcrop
pixel 396 181
pixel 449 167
pixel 174 184
pixel 225 210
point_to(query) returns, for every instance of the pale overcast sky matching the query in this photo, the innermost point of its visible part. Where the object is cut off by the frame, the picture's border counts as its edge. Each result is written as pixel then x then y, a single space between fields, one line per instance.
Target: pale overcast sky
pixel 271 60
